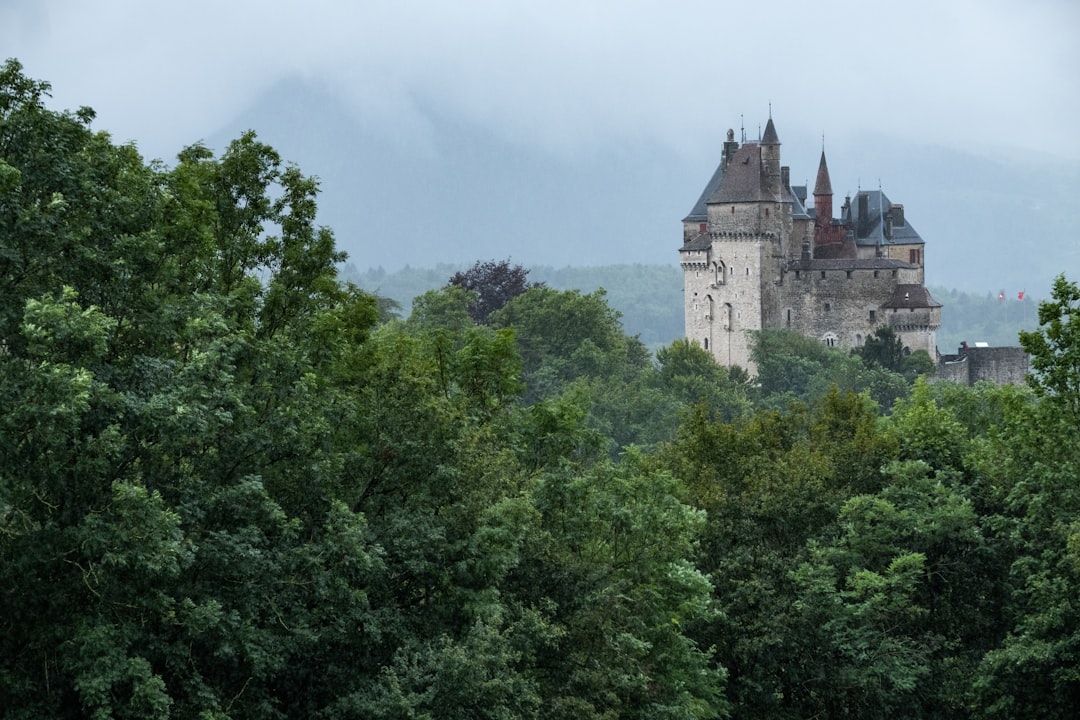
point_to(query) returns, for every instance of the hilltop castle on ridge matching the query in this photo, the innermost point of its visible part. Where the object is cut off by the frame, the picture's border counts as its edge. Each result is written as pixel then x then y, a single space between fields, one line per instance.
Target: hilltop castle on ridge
pixel 756 256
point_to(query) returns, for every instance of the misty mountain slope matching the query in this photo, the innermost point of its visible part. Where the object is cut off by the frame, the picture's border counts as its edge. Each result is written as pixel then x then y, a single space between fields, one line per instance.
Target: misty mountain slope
pixel 455 194
pixel 445 192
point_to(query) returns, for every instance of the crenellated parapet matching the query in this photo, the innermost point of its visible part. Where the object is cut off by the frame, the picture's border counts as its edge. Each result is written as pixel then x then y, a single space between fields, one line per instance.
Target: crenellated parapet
pixel 741 235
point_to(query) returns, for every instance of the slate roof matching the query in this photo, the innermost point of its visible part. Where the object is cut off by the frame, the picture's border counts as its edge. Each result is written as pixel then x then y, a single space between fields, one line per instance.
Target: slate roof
pixel 770 137
pixel 797 195
pixel 911 296
pixel 871 232
pixel 822 186
pixel 743 179
pixel 701 242
pixel 699 213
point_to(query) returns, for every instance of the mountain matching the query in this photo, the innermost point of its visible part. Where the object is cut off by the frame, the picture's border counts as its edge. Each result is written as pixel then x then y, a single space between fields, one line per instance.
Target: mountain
pixel 456 193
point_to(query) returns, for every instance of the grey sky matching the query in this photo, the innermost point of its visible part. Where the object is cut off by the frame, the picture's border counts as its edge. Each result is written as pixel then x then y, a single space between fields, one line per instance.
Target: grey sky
pixel 574 76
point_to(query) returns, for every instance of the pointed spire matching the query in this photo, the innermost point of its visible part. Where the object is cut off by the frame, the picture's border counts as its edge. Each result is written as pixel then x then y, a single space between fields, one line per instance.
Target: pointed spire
pixel 822 185
pixel 770 137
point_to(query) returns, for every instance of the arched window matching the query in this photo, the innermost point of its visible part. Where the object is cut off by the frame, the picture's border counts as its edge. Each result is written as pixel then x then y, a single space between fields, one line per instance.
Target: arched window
pixel 719 272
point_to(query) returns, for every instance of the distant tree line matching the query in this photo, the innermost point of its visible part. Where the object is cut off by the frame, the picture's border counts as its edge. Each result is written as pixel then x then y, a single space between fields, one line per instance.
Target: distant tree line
pixel 649 298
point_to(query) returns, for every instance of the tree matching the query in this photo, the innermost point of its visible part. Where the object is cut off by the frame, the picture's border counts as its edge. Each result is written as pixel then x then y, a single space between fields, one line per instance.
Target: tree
pixel 1055 347
pixel 565 336
pixel 691 375
pixel 884 348
pixel 792 366
pixel 169 458
pixel 771 484
pixel 494 285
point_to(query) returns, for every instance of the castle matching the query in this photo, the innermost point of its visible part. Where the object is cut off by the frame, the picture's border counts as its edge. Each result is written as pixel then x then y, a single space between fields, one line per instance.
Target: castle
pixel 755 256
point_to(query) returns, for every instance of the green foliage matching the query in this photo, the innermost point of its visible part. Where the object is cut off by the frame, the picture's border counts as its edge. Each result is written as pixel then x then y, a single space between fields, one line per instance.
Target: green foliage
pixel 884 348
pixel 224 492
pixel 227 491
pixel 446 308
pixel 792 366
pixel 1055 347
pixel 648 297
pixel 690 374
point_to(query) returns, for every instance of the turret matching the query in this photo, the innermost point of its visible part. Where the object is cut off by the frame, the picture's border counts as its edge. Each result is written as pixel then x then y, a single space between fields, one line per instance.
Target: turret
pixel 770 159
pixel 823 193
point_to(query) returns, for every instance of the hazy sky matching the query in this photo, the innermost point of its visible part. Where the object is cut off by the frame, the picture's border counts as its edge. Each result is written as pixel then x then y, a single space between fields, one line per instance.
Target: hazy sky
pixel 573 76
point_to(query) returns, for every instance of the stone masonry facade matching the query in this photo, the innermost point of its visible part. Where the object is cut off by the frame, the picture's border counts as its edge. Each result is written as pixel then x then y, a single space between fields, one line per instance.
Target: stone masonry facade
pixel 756 256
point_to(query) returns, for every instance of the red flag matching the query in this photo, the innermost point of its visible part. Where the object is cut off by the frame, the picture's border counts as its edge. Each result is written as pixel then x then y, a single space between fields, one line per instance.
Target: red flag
pixel 1020 295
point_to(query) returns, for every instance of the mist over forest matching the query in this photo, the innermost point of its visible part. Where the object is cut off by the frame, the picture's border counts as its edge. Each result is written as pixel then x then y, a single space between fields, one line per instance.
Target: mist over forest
pixel 460 193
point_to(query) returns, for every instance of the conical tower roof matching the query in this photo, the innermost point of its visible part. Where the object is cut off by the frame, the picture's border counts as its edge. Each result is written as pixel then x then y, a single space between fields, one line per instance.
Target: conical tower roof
pixel 770 137
pixel 822 186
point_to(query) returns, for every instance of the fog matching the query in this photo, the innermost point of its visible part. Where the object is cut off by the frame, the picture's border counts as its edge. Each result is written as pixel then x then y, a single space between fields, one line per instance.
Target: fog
pixel 568 132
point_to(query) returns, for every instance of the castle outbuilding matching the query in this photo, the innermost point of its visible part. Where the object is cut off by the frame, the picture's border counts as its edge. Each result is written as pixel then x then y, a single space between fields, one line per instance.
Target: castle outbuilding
pixel 755 256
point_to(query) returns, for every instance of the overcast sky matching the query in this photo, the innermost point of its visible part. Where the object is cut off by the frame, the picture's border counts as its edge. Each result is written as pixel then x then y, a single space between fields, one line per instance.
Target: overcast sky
pixel 573 76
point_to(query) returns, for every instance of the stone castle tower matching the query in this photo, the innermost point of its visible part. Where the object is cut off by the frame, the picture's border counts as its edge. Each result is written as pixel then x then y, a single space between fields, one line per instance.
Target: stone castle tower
pixel 755 257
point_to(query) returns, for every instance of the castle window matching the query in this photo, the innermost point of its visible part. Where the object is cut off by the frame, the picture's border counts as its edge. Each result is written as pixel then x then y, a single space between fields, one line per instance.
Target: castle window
pixel 822 274
pixel 828 307
pixel 766 212
pixel 747 271
pixel 894 273
pixel 873 315
pixel 789 317
pixel 848 274
pixel 701 227
pixel 706 343
pixel 732 209
pixel 829 340
pixel 796 274
pixel 875 273
pixel 858 340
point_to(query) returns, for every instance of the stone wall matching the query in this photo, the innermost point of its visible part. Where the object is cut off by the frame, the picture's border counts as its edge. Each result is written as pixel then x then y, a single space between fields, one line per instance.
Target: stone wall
pixel 1000 365
pixel 723 296
pixel 844 305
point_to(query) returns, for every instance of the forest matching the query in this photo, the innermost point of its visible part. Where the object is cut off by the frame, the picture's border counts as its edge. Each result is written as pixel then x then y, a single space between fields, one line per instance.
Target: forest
pixel 235 485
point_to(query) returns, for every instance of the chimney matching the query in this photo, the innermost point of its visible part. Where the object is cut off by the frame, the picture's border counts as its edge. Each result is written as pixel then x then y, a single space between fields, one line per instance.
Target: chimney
pixel 897 212
pixel 730 147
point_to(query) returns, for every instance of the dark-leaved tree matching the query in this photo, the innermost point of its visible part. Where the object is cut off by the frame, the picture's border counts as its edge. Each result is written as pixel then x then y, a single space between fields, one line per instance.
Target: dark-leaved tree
pixel 884 348
pixel 495 284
